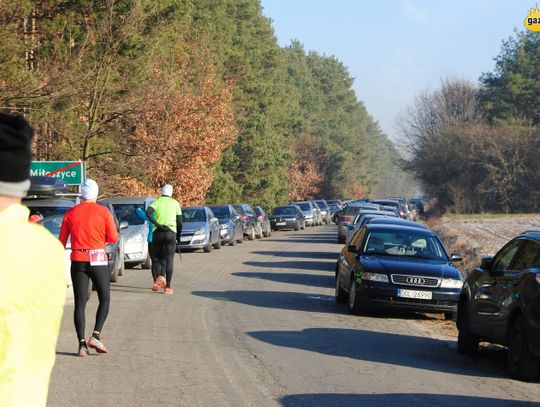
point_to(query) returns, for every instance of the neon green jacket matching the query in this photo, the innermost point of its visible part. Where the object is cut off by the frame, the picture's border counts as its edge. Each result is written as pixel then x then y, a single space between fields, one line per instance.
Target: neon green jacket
pixel 32 296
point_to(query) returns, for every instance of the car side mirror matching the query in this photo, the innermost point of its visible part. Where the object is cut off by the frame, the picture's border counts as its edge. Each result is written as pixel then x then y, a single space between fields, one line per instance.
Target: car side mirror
pixel 485 262
pixel 455 257
pixel 352 248
pixel 123 225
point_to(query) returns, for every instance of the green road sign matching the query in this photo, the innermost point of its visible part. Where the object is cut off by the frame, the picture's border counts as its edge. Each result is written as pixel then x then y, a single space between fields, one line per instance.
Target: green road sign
pixel 71 172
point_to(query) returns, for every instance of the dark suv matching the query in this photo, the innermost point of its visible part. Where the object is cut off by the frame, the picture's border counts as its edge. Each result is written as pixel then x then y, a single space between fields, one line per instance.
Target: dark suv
pixel 500 303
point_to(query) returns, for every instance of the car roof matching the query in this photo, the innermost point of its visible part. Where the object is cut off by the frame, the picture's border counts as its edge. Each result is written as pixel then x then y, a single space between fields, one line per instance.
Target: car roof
pixel 396 221
pixel 533 234
pixel 127 199
pixel 397 228
pixel 49 203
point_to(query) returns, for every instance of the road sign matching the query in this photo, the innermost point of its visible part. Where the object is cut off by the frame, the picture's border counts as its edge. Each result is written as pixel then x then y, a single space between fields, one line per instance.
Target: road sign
pixel 71 172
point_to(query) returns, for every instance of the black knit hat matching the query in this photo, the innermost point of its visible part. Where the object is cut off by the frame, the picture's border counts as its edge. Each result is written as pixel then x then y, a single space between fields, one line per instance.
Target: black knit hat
pixel 15 155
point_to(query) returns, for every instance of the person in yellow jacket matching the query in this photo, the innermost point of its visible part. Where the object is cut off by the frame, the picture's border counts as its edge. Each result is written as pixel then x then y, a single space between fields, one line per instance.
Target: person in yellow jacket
pixel 32 279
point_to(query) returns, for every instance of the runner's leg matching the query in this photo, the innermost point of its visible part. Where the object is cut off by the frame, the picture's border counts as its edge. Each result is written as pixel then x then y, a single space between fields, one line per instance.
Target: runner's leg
pixel 169 248
pixel 102 282
pixel 80 280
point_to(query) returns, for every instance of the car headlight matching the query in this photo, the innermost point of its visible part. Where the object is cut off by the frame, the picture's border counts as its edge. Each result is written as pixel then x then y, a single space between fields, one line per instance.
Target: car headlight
pixel 200 231
pixel 382 278
pixel 451 283
pixel 138 238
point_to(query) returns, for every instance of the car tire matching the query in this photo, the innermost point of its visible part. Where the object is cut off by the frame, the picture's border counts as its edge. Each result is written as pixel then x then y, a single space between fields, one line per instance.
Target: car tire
pixel 121 266
pixel 147 263
pixel 241 240
pixel 296 228
pixel 467 343
pixel 354 305
pixel 217 245
pixel 208 248
pixel 251 235
pixel 522 364
pixel 450 316
pixel 340 293
pixel 114 274
pixel 233 241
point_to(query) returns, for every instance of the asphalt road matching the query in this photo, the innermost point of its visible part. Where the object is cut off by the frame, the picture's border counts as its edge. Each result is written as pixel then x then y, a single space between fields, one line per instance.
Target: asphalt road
pixel 257 325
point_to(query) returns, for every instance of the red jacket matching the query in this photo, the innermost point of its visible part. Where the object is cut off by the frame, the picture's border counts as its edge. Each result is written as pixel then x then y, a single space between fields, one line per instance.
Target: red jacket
pixel 91 226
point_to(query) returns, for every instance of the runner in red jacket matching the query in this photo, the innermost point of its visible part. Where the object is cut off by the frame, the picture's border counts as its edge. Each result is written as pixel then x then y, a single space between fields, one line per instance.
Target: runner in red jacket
pixel 91 226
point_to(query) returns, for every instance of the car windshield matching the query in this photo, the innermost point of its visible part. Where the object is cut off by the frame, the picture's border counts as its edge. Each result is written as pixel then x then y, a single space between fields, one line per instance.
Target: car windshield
pixel 284 210
pixel 52 223
pixel 321 204
pixel 333 206
pixel 221 212
pixel 126 213
pixel 304 206
pixel 193 215
pixel 404 244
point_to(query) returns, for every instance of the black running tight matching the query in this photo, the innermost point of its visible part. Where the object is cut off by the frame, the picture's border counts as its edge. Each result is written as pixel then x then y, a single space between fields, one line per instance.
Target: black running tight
pixel 163 248
pixel 81 274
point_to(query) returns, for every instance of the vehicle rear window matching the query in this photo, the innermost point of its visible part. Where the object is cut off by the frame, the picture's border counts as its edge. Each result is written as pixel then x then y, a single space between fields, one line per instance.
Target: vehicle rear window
pixel 351 210
pixel 126 213
pixel 193 215
pixel 48 211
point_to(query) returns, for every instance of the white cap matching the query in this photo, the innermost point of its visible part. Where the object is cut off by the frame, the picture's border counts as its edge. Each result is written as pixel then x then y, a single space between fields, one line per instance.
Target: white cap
pixel 89 189
pixel 167 190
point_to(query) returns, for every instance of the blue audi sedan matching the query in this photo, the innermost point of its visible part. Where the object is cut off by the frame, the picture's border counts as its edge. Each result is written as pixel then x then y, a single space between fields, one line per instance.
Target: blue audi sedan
pixel 398 267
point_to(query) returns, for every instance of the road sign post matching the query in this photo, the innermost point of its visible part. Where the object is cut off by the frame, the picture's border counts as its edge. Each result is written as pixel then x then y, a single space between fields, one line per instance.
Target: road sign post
pixel 71 172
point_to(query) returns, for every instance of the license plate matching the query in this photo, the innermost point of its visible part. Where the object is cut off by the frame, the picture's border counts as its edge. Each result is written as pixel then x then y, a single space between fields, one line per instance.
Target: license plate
pixel 281 223
pixel 185 239
pixel 422 295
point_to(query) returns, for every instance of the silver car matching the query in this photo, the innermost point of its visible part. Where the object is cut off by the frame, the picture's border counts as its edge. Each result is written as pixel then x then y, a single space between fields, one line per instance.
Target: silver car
pixel 346 216
pixel 358 220
pixel 200 229
pixel 136 234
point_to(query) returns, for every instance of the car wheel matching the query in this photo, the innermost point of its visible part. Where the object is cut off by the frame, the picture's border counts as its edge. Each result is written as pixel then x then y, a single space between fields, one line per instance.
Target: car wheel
pixel 522 364
pixel 251 235
pixel 217 245
pixel 450 316
pixel 354 305
pixel 233 241
pixel 296 228
pixel 208 248
pixel 114 274
pixel 121 266
pixel 340 293
pixel 147 263
pixel 259 235
pixel 467 342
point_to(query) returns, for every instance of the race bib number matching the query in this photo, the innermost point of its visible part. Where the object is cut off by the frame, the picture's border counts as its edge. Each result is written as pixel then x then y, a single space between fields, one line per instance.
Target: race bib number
pixel 98 257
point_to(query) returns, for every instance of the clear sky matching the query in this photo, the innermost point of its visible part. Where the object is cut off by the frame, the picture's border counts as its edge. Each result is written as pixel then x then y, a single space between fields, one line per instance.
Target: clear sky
pixel 397 48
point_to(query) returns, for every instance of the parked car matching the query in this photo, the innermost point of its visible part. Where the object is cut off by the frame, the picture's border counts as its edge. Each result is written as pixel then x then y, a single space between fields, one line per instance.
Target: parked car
pixel 419 204
pixel 230 225
pixel 309 211
pixel 251 226
pixel 358 221
pixel 392 202
pixel 346 217
pixel 318 213
pixel 333 208
pixel 59 207
pixel 500 303
pixel 287 217
pixel 336 202
pixel 325 211
pixel 200 229
pixel 135 235
pixel 399 267
pixel 263 218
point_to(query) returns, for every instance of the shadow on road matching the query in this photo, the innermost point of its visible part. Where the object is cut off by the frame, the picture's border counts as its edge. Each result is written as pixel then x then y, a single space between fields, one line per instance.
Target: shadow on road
pixel 307 255
pixel 277 299
pixel 131 289
pixel 305 239
pixel 297 265
pixel 396 399
pixel 312 280
pixel 389 348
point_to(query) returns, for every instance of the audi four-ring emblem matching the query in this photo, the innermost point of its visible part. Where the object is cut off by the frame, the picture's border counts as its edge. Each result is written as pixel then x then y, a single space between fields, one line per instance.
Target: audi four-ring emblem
pixel 416 280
